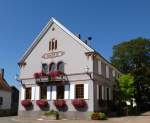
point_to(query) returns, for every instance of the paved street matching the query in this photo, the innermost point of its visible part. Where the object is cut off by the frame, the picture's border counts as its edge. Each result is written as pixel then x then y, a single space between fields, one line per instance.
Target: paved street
pixel 130 119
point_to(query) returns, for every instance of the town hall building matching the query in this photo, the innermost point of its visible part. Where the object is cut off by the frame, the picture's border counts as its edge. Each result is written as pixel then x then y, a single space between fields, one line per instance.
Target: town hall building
pixel 59 71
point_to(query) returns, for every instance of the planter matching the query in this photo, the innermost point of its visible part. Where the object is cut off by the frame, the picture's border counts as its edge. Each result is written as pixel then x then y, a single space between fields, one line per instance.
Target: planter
pixel 26 103
pixel 79 103
pixel 42 103
pixel 60 103
pixel 40 74
pixel 51 75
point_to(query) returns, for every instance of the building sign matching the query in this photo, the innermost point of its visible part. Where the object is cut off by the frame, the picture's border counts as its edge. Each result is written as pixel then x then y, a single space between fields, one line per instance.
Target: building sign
pixel 53 54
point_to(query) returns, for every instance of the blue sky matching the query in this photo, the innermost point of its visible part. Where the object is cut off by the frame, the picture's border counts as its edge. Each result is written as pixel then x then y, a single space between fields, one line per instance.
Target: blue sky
pixel 108 22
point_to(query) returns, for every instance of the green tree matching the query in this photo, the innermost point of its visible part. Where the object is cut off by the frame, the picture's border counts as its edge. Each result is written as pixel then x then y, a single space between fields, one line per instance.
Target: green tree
pixel 126 86
pixel 134 57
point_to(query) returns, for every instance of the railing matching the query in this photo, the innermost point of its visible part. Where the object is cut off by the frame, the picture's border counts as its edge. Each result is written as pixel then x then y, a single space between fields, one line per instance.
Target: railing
pixel 53 76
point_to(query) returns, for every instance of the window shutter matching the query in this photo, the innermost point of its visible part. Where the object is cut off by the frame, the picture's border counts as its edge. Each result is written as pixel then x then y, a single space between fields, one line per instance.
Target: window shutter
pixel 72 91
pixel 113 72
pixel 98 92
pixel 103 92
pixel 48 92
pixel 99 67
pixel 110 94
pixel 53 92
pixel 86 91
pixel 66 92
pixel 107 71
pixel 37 94
pixel 33 93
pixel 22 93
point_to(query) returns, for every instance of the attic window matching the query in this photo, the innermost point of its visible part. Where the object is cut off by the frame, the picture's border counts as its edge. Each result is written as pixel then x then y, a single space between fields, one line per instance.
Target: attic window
pixel 53 45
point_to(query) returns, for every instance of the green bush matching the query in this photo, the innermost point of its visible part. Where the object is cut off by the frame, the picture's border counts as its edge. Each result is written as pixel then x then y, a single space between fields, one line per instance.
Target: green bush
pixel 103 116
pixel 98 116
pixel 52 113
pixel 5 112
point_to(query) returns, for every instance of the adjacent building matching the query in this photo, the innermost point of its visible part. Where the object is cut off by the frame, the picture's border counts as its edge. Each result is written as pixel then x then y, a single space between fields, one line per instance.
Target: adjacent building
pixel 9 97
pixel 61 69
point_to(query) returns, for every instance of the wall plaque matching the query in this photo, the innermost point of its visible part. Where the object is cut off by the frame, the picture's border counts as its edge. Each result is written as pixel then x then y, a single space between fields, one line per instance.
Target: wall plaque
pixel 53 54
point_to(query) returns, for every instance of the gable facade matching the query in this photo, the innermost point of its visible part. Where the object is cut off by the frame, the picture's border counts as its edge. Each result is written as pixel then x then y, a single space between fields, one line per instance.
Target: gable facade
pixel 85 73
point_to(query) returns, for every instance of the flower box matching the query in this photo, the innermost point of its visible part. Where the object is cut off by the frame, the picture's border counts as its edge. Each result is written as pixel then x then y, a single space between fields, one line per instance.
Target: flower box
pixel 26 103
pixel 42 103
pixel 40 74
pixel 60 103
pixel 53 75
pixel 79 103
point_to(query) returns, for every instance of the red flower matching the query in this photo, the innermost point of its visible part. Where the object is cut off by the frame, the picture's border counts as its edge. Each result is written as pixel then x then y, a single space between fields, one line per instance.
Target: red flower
pixel 41 103
pixel 36 75
pixel 55 74
pixel 26 102
pixel 79 103
pixel 60 103
pixel 40 74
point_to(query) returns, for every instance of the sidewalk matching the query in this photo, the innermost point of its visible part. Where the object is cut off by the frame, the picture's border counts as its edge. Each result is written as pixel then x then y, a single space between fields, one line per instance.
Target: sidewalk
pixel 144 118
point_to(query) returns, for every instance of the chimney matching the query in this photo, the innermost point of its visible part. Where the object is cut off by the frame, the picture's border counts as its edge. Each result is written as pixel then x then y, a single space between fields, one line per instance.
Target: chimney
pixel 87 41
pixel 79 36
pixel 1 73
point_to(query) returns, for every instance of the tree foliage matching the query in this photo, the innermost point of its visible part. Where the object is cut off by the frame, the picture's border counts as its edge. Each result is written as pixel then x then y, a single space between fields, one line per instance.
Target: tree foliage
pixel 134 57
pixel 126 86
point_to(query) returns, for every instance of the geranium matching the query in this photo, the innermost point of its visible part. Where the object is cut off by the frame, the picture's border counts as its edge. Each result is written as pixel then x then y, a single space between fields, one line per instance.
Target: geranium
pixel 54 74
pixel 79 103
pixel 40 74
pixel 42 103
pixel 60 103
pixel 26 102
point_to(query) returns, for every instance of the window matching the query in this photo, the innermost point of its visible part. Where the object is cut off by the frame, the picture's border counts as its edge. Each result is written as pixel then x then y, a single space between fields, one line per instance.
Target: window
pixel 28 93
pixel 43 92
pixel 100 92
pixel 50 45
pixel 45 68
pixel 60 92
pixel 60 66
pixel 53 44
pixel 107 94
pixel 1 100
pixel 52 67
pixel 79 91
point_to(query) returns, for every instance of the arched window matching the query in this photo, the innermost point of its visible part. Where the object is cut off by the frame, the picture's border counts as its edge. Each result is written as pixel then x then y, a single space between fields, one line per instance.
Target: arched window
pixel 60 66
pixel 52 67
pixel 45 68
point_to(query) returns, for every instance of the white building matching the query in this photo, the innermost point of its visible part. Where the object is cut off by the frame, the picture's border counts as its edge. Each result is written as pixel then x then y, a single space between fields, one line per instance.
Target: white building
pixel 87 75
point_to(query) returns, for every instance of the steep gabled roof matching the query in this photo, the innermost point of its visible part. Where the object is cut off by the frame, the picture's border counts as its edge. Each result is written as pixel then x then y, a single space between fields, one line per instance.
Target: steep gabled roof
pixel 43 32
pixel 4 85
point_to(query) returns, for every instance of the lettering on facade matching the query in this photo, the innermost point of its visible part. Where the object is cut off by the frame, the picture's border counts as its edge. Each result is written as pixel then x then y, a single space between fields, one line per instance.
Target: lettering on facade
pixel 53 54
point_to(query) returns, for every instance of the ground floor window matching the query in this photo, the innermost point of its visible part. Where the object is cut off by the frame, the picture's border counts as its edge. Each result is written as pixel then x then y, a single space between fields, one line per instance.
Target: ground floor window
pixel 1 100
pixel 43 92
pixel 100 92
pixel 28 93
pixel 60 92
pixel 108 94
pixel 79 91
